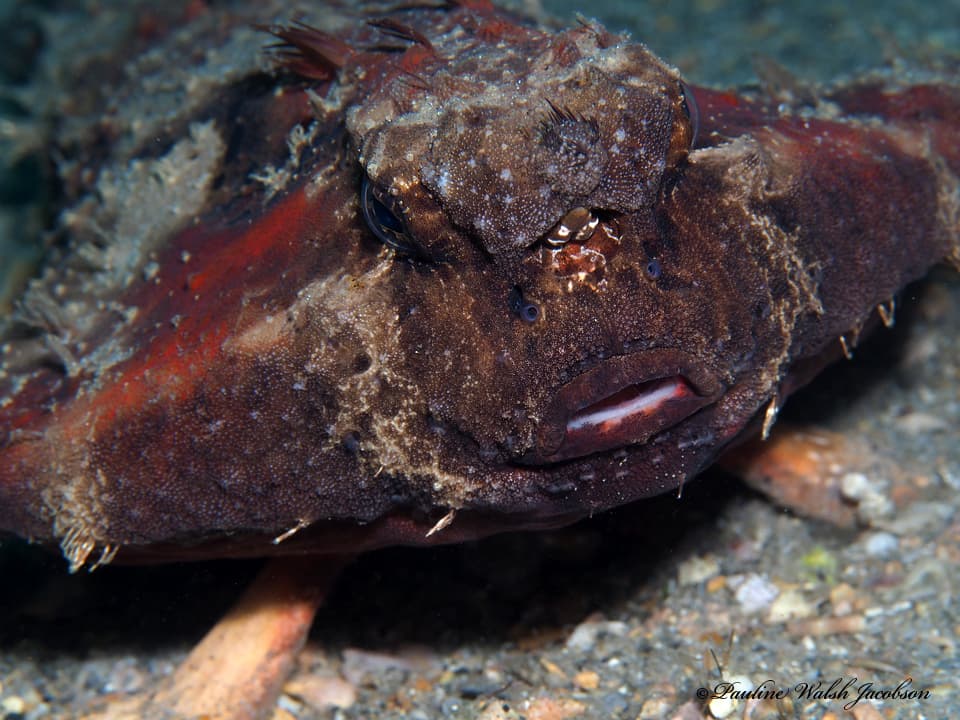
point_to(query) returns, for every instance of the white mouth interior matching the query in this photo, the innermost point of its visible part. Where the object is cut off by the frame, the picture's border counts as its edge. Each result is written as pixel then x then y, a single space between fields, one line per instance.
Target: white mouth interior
pixel 627 403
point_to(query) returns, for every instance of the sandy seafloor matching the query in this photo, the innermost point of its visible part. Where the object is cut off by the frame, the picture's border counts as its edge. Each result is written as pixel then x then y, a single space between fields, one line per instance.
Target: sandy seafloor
pixel 617 617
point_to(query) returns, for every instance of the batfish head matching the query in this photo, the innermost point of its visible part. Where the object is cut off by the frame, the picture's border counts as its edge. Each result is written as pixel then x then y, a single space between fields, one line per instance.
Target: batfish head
pixel 506 284
pixel 549 308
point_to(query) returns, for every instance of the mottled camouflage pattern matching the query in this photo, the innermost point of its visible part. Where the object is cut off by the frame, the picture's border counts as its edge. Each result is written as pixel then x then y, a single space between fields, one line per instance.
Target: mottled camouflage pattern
pixel 236 358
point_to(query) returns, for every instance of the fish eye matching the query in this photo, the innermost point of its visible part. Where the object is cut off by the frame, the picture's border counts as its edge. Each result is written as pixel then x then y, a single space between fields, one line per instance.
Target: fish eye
pixel 689 104
pixel 527 311
pixel 384 219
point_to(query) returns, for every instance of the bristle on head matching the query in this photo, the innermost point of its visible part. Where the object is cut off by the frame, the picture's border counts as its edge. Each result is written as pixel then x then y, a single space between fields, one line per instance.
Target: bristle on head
pixel 307 51
pixel 398 30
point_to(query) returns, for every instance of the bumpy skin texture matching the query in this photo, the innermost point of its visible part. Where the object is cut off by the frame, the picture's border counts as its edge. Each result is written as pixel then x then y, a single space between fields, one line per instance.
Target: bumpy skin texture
pixel 270 368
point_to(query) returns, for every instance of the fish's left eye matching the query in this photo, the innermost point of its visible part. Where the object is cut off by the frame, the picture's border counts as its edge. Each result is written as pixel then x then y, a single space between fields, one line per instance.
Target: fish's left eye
pixel 689 105
pixel 384 219
pixel 686 125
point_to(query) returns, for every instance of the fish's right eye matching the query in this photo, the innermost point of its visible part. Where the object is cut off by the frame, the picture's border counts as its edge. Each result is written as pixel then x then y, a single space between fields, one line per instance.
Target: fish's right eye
pixel 385 219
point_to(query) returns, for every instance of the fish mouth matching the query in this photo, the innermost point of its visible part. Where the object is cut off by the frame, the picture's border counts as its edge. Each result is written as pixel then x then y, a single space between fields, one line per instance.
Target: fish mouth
pixel 623 401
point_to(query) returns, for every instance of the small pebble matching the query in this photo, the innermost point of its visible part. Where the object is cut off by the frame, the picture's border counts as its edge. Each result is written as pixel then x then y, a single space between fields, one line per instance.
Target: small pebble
pixel 716 583
pixel 756 593
pixel 950 476
pixel 585 635
pixel 126 677
pixel 450 707
pixel 866 711
pixel 587 680
pixel 819 627
pixel 917 423
pixel 920 518
pixel 552 668
pixel 614 704
pixel 548 708
pixel 654 708
pixel 844 599
pixel 322 691
pixel 498 710
pixel 688 711
pixel 880 544
pixel 357 664
pixel 723 707
pixel 283 713
pixel 697 570
pixel 790 605
pixel 13 705
pixel 873 504
pixel 819 564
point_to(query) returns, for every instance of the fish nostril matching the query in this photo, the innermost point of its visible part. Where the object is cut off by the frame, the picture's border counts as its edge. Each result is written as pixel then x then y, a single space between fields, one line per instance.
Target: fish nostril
pixel 351 442
pixel 527 311
pixel 361 363
pixel 654 269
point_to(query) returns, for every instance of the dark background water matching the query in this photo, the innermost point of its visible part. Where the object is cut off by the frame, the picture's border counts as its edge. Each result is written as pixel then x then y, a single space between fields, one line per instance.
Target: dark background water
pixel 714 41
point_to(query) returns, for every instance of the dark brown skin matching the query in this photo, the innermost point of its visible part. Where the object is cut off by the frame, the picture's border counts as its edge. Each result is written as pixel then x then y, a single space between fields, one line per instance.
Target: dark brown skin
pixel 494 236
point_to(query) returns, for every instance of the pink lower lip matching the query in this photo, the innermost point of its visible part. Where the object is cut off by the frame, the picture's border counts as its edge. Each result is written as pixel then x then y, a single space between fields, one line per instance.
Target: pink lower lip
pixel 628 404
pixel 630 415
pixel 623 400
